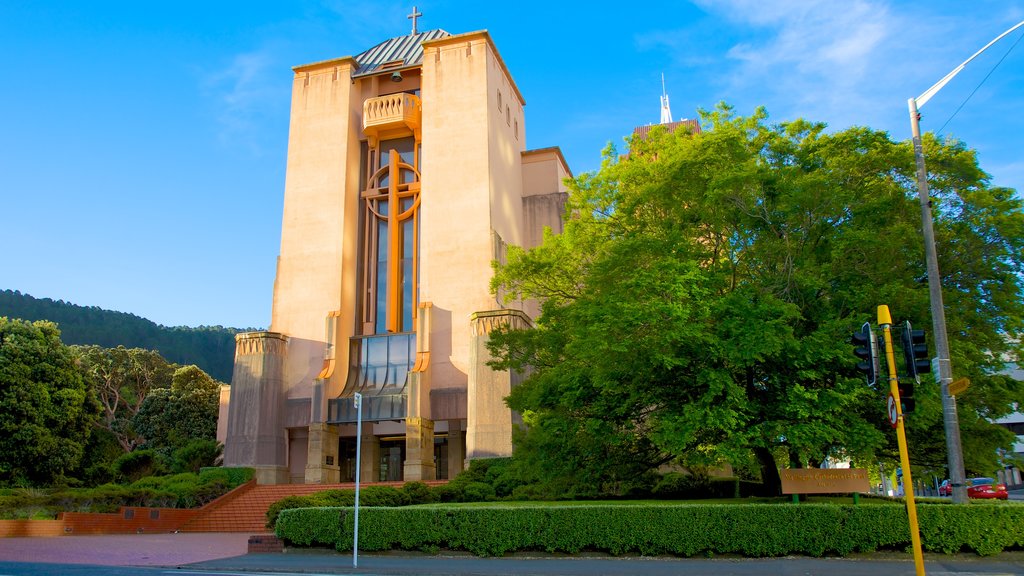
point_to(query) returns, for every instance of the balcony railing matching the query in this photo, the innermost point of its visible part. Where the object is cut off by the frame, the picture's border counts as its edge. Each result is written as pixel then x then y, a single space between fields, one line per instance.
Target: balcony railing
pixel 392 111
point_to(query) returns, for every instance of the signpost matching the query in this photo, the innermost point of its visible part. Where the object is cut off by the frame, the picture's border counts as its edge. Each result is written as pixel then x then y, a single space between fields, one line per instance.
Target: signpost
pixel 358 400
pixel 885 321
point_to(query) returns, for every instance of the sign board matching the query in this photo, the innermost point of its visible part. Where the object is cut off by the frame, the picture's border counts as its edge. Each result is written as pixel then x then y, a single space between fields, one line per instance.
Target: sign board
pixel 824 480
pixel 959 386
pixel 894 414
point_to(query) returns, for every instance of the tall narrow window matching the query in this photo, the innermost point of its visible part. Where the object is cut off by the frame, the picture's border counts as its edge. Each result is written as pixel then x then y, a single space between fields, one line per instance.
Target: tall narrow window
pixel 391 231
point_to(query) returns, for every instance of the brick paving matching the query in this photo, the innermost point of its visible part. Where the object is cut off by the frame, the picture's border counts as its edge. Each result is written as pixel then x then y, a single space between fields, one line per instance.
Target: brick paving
pixel 126 549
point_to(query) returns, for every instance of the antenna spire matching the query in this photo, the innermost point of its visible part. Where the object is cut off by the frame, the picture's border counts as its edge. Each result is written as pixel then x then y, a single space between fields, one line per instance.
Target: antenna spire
pixel 666 112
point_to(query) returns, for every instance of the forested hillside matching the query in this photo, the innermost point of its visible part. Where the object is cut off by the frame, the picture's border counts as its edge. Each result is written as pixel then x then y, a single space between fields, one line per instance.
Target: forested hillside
pixel 212 348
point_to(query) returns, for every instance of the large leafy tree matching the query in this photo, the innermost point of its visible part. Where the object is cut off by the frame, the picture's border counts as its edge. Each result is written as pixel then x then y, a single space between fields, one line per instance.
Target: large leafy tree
pixel 46 410
pixel 122 378
pixel 698 306
pixel 171 418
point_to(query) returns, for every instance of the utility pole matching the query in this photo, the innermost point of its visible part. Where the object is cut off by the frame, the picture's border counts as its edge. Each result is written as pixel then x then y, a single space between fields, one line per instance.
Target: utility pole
pixel 954 451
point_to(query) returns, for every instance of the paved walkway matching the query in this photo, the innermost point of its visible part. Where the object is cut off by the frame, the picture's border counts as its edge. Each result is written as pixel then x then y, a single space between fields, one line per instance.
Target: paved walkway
pixel 226 553
pixel 126 549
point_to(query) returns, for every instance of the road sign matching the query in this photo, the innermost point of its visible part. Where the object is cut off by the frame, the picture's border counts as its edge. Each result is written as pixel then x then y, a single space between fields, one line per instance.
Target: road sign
pixel 893 413
pixel 959 386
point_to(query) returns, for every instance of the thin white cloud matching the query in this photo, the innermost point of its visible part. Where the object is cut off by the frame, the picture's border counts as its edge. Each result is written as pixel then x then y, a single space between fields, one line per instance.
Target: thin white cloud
pixel 820 57
pixel 243 92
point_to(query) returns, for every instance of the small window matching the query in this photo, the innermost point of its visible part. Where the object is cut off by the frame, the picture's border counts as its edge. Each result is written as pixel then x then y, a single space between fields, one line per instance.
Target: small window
pixel 517 129
pixel 499 100
pixel 129 513
pixel 508 116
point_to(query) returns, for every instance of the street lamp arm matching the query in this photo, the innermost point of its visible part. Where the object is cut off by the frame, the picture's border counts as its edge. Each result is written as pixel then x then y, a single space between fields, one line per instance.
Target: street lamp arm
pixel 927 94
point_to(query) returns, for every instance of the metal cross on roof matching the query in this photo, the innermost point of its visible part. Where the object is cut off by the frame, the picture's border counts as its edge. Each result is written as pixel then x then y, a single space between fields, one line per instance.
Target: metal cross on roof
pixel 413 17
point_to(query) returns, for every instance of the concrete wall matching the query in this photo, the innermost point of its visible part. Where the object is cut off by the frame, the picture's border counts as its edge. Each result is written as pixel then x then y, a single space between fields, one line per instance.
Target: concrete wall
pixel 322 168
pixel 455 208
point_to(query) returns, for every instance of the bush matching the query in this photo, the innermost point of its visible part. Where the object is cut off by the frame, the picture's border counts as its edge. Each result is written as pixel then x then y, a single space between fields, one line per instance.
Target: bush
pixel 382 496
pixel 235 476
pixel 138 464
pixel 196 455
pixel 418 493
pixel 478 492
pixel 286 503
pixel 753 530
pixel 369 496
pixel 676 486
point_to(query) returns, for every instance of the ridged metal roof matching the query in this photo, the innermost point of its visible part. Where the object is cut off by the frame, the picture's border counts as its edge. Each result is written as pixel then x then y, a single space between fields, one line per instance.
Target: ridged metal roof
pixel 408 49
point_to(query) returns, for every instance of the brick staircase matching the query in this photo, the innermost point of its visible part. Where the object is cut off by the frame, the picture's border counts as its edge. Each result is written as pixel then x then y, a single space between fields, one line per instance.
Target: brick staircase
pixel 244 509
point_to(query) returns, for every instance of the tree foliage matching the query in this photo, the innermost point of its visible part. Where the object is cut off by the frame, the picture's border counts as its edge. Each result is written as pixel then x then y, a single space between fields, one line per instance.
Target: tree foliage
pixel 46 410
pixel 698 306
pixel 212 348
pixel 122 378
pixel 171 418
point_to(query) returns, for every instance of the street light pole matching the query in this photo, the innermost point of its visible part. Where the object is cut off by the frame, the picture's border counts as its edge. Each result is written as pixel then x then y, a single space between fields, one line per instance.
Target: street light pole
pixel 357 399
pixel 954 451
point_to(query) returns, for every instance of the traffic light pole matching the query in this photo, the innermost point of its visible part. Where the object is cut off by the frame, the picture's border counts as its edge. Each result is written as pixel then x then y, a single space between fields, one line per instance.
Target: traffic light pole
pixel 885 321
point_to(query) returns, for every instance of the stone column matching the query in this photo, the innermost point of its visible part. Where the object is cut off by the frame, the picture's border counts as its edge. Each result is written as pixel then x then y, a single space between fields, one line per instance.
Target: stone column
pixel 419 428
pixel 456 449
pixel 489 421
pixel 369 465
pixel 323 465
pixel 419 450
pixel 256 436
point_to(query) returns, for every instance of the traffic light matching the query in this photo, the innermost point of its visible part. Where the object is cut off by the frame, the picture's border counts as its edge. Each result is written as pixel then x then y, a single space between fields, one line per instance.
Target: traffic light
pixel 915 356
pixel 915 351
pixel 867 350
pixel 907 402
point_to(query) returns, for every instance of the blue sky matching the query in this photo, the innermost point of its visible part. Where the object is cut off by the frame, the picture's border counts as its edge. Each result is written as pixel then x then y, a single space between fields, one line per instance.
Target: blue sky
pixel 142 144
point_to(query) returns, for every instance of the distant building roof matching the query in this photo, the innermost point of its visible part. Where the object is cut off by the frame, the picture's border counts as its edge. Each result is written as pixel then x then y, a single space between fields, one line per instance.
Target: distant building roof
pixel 401 52
pixel 644 131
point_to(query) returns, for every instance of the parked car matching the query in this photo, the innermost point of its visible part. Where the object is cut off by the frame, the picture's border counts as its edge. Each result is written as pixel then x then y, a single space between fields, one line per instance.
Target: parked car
pixel 986 488
pixel 946 488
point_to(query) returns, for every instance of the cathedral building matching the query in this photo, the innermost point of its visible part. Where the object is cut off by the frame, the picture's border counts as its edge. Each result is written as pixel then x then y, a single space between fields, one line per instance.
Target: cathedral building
pixel 407 176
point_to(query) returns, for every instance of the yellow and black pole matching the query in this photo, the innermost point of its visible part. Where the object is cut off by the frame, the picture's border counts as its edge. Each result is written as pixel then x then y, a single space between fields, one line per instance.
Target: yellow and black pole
pixel 896 415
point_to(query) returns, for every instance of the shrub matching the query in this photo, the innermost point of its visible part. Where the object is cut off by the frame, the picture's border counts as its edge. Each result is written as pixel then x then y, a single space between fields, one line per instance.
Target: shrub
pixel 753 530
pixel 195 455
pixel 286 503
pixel 369 496
pixel 478 492
pixel 138 464
pixel 418 493
pixel 235 476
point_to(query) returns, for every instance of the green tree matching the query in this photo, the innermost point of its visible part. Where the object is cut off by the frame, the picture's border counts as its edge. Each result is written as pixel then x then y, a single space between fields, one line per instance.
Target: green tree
pixel 122 378
pixel 46 410
pixel 171 418
pixel 697 307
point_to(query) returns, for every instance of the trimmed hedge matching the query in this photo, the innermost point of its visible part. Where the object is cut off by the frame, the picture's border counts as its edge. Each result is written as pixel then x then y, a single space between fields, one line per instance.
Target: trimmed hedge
pixel 752 530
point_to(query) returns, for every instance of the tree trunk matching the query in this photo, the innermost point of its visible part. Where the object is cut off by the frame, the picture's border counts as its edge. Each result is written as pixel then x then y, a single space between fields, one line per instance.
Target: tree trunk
pixel 769 472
